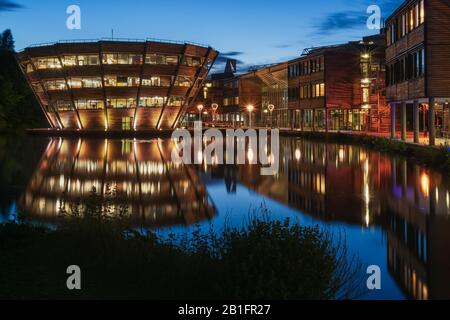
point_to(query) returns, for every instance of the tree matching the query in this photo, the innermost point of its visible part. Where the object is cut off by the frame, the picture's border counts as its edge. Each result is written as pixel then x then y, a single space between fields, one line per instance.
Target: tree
pixel 7 40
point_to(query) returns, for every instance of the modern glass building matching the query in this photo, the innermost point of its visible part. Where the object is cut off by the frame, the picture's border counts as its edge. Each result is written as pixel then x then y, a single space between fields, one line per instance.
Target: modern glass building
pixel 117 85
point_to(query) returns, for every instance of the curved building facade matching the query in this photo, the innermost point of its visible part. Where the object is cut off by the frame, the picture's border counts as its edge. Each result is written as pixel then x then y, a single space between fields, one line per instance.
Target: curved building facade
pixel 116 85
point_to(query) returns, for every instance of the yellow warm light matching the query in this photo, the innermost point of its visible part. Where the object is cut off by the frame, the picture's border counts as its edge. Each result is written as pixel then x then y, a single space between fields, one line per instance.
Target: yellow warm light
pixel 365 56
pixel 425 184
pixel 250 108
pixel 298 154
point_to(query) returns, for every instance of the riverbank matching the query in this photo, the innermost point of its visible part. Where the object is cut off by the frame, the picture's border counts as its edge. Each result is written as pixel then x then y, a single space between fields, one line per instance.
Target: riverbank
pixel 433 157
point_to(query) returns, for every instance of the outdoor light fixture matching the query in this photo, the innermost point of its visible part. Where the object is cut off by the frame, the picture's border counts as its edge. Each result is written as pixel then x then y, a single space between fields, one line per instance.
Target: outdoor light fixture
pixel 271 107
pixel 214 108
pixel 250 109
pixel 200 108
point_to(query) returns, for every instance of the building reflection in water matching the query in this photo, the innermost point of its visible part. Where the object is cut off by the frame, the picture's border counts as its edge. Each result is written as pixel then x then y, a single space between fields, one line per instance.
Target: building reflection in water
pixel 345 183
pixel 155 191
pixel 332 182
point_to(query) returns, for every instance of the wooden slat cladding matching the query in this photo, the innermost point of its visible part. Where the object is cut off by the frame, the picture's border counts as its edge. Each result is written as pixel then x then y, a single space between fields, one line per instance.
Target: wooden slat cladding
pixel 123 47
pixel 342 68
pixel 438 48
pixel 109 118
pixel 147 118
pixel 413 39
pixel 69 119
pixel 169 115
pixel 407 90
pixel 93 119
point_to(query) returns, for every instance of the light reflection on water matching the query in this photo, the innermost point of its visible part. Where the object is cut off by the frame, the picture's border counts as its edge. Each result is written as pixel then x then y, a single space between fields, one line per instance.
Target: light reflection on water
pixel 394 214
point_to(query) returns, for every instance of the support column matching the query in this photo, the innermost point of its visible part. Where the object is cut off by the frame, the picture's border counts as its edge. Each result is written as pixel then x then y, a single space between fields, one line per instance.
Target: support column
pixel 302 120
pixel 432 122
pixel 416 113
pixel 393 136
pixel 403 119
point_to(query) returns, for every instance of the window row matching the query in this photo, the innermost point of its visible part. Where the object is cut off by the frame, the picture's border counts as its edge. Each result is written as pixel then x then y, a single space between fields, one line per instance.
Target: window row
pixel 307 91
pixel 406 22
pixel 117 81
pixel 119 103
pixel 407 68
pixel 231 101
pixel 112 59
pixel 306 67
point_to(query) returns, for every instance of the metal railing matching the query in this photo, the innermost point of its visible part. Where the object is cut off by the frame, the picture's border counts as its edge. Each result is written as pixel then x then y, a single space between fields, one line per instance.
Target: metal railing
pixel 45 44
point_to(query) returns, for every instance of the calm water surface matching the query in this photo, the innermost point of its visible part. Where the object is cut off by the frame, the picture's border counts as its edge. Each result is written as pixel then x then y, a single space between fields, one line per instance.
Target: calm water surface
pixel 395 214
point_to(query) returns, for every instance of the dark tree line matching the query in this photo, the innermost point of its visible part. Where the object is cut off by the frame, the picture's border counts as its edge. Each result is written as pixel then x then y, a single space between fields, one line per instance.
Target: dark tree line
pixel 19 108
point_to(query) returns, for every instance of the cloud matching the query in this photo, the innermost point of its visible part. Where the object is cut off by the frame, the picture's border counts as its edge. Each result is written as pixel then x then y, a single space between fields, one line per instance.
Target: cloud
pixel 6 5
pixel 350 19
pixel 283 46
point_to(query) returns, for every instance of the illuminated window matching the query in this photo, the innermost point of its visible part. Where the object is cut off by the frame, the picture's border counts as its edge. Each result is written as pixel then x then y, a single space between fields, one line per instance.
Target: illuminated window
pixel 152 101
pixel 75 83
pixel 47 63
pixel 183 82
pixel 121 81
pixel 161 59
pixel 122 58
pixel 62 105
pixel 126 124
pixel 59 84
pixel 365 95
pixel 70 61
pixel 176 101
pixel 192 61
pixel 89 104
pixel 422 11
pixel 121 103
pixel 92 82
pixel 88 60
pixel 29 68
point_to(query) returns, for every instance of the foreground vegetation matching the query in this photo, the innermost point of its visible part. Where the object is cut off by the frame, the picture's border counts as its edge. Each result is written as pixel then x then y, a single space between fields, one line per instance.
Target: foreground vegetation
pixel 264 259
pixel 19 108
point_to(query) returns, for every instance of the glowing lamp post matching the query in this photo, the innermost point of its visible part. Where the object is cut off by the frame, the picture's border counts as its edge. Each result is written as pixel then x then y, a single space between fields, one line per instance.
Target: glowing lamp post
pixel 271 107
pixel 250 109
pixel 200 108
pixel 214 108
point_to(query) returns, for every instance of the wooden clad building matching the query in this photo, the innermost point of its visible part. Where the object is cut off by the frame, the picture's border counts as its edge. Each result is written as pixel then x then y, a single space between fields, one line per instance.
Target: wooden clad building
pixel 116 84
pixel 339 87
pixel 418 68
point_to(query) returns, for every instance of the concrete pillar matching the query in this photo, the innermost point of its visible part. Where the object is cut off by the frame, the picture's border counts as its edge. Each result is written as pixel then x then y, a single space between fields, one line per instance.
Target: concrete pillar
pixel 432 122
pixel 302 120
pixel 313 119
pixel 403 119
pixel 393 135
pixel 416 113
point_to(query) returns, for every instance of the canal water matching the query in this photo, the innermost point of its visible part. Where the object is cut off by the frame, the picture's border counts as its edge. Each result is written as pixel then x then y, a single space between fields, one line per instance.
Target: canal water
pixel 394 214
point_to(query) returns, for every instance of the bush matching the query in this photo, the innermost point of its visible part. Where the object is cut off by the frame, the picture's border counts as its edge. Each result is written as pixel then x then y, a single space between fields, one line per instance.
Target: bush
pixel 264 260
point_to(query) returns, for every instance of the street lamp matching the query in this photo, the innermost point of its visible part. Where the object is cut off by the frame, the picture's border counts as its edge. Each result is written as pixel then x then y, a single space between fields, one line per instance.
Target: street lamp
pixel 271 107
pixel 214 108
pixel 250 109
pixel 200 108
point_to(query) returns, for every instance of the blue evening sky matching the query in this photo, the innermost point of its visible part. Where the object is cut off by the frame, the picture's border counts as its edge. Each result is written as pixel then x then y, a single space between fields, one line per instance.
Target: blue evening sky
pixel 252 31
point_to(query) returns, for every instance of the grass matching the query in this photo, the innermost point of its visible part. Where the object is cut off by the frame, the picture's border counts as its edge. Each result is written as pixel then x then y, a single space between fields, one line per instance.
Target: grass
pixel 263 259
